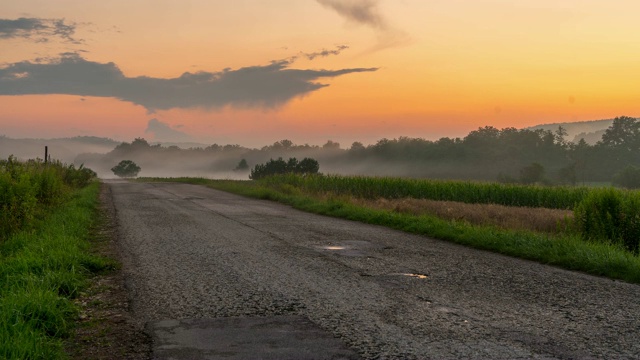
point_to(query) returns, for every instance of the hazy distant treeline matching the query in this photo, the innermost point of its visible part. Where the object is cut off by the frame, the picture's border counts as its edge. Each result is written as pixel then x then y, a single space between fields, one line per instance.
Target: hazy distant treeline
pixel 509 154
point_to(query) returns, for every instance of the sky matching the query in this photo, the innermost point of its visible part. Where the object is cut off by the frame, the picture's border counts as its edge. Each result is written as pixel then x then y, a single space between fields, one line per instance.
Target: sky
pixel 252 72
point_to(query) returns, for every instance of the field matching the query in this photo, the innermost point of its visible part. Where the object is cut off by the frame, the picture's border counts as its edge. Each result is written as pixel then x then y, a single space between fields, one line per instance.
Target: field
pixel 587 229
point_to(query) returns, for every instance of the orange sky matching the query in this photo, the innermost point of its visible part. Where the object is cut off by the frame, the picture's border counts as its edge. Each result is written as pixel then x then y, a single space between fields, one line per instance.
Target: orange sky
pixel 442 68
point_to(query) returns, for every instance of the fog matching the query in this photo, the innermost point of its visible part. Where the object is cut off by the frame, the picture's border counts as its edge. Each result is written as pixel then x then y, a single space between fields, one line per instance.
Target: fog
pixel 487 154
pixel 65 150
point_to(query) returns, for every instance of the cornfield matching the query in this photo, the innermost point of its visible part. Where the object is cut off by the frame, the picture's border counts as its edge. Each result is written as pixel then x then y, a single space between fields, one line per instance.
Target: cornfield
pixel 462 191
pixel 603 215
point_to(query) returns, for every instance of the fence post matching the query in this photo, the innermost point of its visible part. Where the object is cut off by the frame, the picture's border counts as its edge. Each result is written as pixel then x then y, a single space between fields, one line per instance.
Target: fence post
pixel 46 154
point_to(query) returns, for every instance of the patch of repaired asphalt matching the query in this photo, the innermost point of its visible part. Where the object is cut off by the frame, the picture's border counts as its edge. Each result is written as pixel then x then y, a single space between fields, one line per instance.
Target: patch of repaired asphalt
pixel 275 337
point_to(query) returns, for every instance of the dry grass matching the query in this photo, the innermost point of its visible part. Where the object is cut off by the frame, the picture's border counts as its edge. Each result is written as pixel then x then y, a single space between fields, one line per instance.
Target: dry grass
pixel 507 217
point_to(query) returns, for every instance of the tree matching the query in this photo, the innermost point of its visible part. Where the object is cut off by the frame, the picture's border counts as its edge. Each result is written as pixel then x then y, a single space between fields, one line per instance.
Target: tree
pixel 331 145
pixel 242 166
pixel 126 169
pixel 357 146
pixel 623 133
pixel 139 143
pixel 559 135
pixel 307 166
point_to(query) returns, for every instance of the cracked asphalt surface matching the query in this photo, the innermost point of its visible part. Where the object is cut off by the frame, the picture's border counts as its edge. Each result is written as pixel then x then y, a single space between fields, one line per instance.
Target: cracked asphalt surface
pixel 191 252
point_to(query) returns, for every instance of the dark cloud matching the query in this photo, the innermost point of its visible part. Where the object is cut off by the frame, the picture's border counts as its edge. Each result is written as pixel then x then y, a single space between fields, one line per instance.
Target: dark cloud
pixel 366 12
pixel 325 53
pixel 40 30
pixel 267 86
pixel 163 132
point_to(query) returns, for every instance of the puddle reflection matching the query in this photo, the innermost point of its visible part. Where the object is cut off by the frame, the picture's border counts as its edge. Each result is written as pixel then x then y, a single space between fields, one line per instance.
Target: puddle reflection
pixel 417 276
pixel 334 247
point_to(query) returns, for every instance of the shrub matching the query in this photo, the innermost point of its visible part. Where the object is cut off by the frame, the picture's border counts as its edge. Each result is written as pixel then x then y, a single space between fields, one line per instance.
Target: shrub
pixel 126 169
pixel 28 187
pixel 612 216
pixel 279 166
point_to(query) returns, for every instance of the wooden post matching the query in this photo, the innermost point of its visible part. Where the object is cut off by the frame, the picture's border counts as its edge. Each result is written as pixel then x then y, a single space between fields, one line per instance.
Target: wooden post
pixel 46 154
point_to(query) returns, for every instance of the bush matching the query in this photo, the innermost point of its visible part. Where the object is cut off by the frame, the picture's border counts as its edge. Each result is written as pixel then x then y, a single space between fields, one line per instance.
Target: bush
pixel 279 166
pixel 27 187
pixel 628 178
pixel 126 169
pixel 612 216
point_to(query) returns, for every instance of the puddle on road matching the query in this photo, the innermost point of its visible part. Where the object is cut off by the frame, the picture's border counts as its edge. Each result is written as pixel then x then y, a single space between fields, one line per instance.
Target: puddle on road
pixel 334 247
pixel 342 250
pixel 418 276
pixel 411 275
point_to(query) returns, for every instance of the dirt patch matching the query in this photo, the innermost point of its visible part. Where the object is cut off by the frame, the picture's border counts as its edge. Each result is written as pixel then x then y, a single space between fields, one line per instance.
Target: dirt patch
pixel 106 328
pixel 508 217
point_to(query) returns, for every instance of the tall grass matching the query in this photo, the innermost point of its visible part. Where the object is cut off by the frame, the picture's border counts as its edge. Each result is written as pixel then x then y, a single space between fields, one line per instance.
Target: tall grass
pixel 44 254
pixel 610 215
pixel 462 191
pixel 28 187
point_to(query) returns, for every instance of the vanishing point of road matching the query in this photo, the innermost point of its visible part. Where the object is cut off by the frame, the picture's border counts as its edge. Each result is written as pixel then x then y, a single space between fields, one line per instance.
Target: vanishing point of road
pixel 219 276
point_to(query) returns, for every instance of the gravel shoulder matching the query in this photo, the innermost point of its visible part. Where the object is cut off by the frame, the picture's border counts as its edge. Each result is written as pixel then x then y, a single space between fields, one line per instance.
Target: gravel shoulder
pixel 190 252
pixel 106 328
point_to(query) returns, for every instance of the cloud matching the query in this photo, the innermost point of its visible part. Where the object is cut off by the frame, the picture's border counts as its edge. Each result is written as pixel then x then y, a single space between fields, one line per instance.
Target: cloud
pixel 359 11
pixel 163 132
pixel 325 52
pixel 37 29
pixel 264 86
pixel 366 12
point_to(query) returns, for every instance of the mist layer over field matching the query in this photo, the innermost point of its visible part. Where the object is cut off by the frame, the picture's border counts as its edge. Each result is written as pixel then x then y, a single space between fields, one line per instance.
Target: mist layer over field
pixel 536 155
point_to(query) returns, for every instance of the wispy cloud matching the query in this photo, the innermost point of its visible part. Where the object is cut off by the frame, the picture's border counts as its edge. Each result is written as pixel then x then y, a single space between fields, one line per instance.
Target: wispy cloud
pixel 39 30
pixel 359 11
pixel 262 86
pixel 367 13
pixel 325 52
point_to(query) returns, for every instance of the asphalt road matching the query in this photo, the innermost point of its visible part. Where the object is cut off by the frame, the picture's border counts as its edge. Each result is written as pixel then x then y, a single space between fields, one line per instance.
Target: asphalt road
pixel 203 265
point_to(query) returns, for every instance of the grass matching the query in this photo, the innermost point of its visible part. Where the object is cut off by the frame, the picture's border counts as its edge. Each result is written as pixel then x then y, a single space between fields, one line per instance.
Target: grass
pixel 567 250
pixel 506 217
pixel 471 192
pixel 41 270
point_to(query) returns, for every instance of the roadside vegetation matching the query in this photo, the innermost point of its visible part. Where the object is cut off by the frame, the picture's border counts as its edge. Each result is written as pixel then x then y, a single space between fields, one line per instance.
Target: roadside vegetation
pixel 47 211
pixel 594 230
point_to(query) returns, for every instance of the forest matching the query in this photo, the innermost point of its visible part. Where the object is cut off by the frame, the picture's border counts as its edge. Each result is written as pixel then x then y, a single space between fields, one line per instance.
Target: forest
pixel 507 155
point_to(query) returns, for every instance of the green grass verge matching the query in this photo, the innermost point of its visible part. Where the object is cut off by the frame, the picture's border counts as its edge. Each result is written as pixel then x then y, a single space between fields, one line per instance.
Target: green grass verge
pixel 41 271
pixel 566 251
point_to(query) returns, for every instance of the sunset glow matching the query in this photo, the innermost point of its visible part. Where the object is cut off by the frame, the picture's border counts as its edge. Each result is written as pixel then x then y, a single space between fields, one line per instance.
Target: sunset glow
pixel 387 68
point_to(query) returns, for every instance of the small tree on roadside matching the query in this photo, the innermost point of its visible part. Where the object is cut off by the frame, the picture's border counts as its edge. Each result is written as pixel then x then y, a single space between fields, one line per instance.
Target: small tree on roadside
pixel 126 169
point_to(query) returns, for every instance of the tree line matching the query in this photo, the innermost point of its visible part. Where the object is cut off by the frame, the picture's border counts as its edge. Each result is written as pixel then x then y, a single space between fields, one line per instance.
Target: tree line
pixel 488 153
